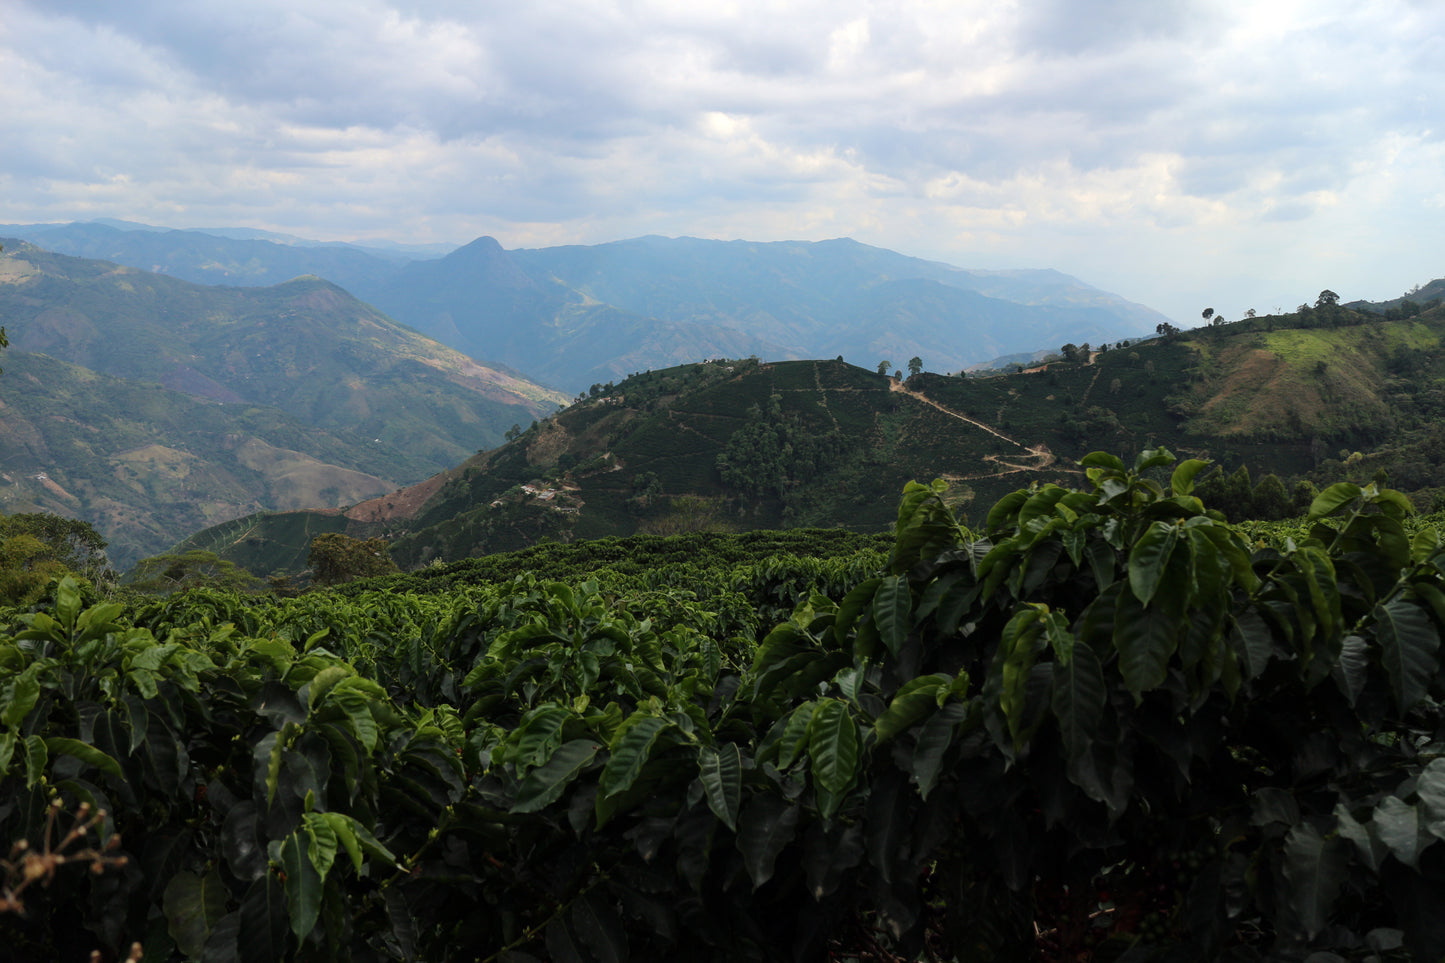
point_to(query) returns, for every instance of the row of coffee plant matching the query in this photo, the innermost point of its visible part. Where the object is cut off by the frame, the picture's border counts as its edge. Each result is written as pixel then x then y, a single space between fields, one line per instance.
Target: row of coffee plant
pixel 1109 726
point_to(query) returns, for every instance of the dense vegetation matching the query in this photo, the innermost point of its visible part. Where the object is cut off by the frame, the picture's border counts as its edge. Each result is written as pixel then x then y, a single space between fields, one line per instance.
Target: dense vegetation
pixel 1108 724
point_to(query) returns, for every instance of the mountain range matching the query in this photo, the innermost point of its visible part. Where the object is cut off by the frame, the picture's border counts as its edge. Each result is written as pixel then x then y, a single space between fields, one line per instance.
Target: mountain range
pixel 578 315
pixel 155 406
pixel 152 406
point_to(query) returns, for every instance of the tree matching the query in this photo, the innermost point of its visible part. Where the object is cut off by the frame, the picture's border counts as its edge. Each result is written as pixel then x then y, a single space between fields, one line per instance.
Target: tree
pixel 178 571
pixel 26 568
pixel 1208 313
pixel 35 548
pixel 1327 298
pixel 915 365
pixel 883 367
pixel 71 542
pixel 336 558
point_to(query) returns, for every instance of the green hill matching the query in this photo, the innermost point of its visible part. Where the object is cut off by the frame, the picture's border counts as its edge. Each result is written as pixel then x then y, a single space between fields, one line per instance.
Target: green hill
pixel 152 407
pixel 741 445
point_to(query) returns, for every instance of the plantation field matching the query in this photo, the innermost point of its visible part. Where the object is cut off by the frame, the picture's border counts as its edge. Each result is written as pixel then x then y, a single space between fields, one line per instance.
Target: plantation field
pixel 1100 723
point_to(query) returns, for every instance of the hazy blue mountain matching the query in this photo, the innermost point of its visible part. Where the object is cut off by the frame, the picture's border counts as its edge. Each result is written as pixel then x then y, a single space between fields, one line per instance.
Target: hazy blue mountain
pixel 821 299
pixel 210 258
pixel 481 301
pixel 577 315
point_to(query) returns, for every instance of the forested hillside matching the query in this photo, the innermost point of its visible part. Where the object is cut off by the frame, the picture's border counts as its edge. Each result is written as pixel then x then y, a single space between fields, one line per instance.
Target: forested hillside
pixel 1280 404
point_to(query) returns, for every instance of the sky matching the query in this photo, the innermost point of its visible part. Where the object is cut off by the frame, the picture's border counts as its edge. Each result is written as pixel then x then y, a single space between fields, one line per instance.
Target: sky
pixel 1181 153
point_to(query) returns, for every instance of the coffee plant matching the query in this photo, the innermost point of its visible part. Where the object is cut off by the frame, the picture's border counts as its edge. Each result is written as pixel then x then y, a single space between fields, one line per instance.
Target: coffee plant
pixel 1108 726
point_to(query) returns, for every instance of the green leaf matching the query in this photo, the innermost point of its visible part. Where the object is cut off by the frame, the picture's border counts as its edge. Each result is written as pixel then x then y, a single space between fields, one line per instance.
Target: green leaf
pixel 1102 459
pixel 629 752
pixel 36 757
pixel 1352 668
pixel 1182 481
pixel 540 733
pixel 852 606
pixel 833 750
pixel 304 885
pixel 1399 826
pixel 1330 500
pixel 1148 559
pixel 1017 650
pixel 915 699
pixel 7 748
pixel 1079 698
pixel 1153 458
pixel 892 611
pixel 272 748
pixel 934 739
pixel 544 785
pixel 598 928
pixel 794 739
pixel 722 780
pixel 86 753
pixel 1408 645
pixel 1393 502
pixel 1040 505
pixel 322 682
pixel 19 695
pixel 1145 639
pixel 321 843
pixel 358 716
pixel 1371 851
pixel 265 918
pixel 192 905
pixel 1252 640
pixel 341 828
pixel 1431 788
pixel 1315 867
pixel 1005 511
pixel 767 825
pixel 67 602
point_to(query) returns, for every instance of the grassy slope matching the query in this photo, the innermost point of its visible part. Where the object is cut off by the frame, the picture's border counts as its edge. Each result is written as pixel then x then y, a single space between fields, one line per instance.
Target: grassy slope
pixel 145 464
pixel 185 405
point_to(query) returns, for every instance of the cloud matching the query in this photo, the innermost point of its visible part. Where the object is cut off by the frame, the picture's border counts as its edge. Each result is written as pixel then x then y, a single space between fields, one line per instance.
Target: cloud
pixel 1086 135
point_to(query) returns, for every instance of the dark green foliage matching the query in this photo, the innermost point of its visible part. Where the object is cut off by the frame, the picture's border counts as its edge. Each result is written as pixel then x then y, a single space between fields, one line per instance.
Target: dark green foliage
pixel 178 571
pixel 772 454
pixel 38 547
pixel 1106 726
pixel 1235 496
pixel 335 558
pixel 71 542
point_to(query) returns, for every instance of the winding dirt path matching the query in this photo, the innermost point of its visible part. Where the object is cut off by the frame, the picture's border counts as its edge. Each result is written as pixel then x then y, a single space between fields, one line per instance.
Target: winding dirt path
pixel 1038 457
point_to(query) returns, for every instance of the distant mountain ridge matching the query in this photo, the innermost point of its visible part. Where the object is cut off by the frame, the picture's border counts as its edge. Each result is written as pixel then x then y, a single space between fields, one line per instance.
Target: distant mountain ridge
pixel 583 314
pixel 150 405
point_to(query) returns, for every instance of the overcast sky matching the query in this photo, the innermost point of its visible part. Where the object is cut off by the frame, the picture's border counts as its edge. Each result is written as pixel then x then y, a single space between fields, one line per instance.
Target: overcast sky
pixel 1182 153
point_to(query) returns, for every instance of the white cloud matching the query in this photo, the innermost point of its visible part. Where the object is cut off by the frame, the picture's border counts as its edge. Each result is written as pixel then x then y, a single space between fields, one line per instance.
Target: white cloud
pixel 1159 147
